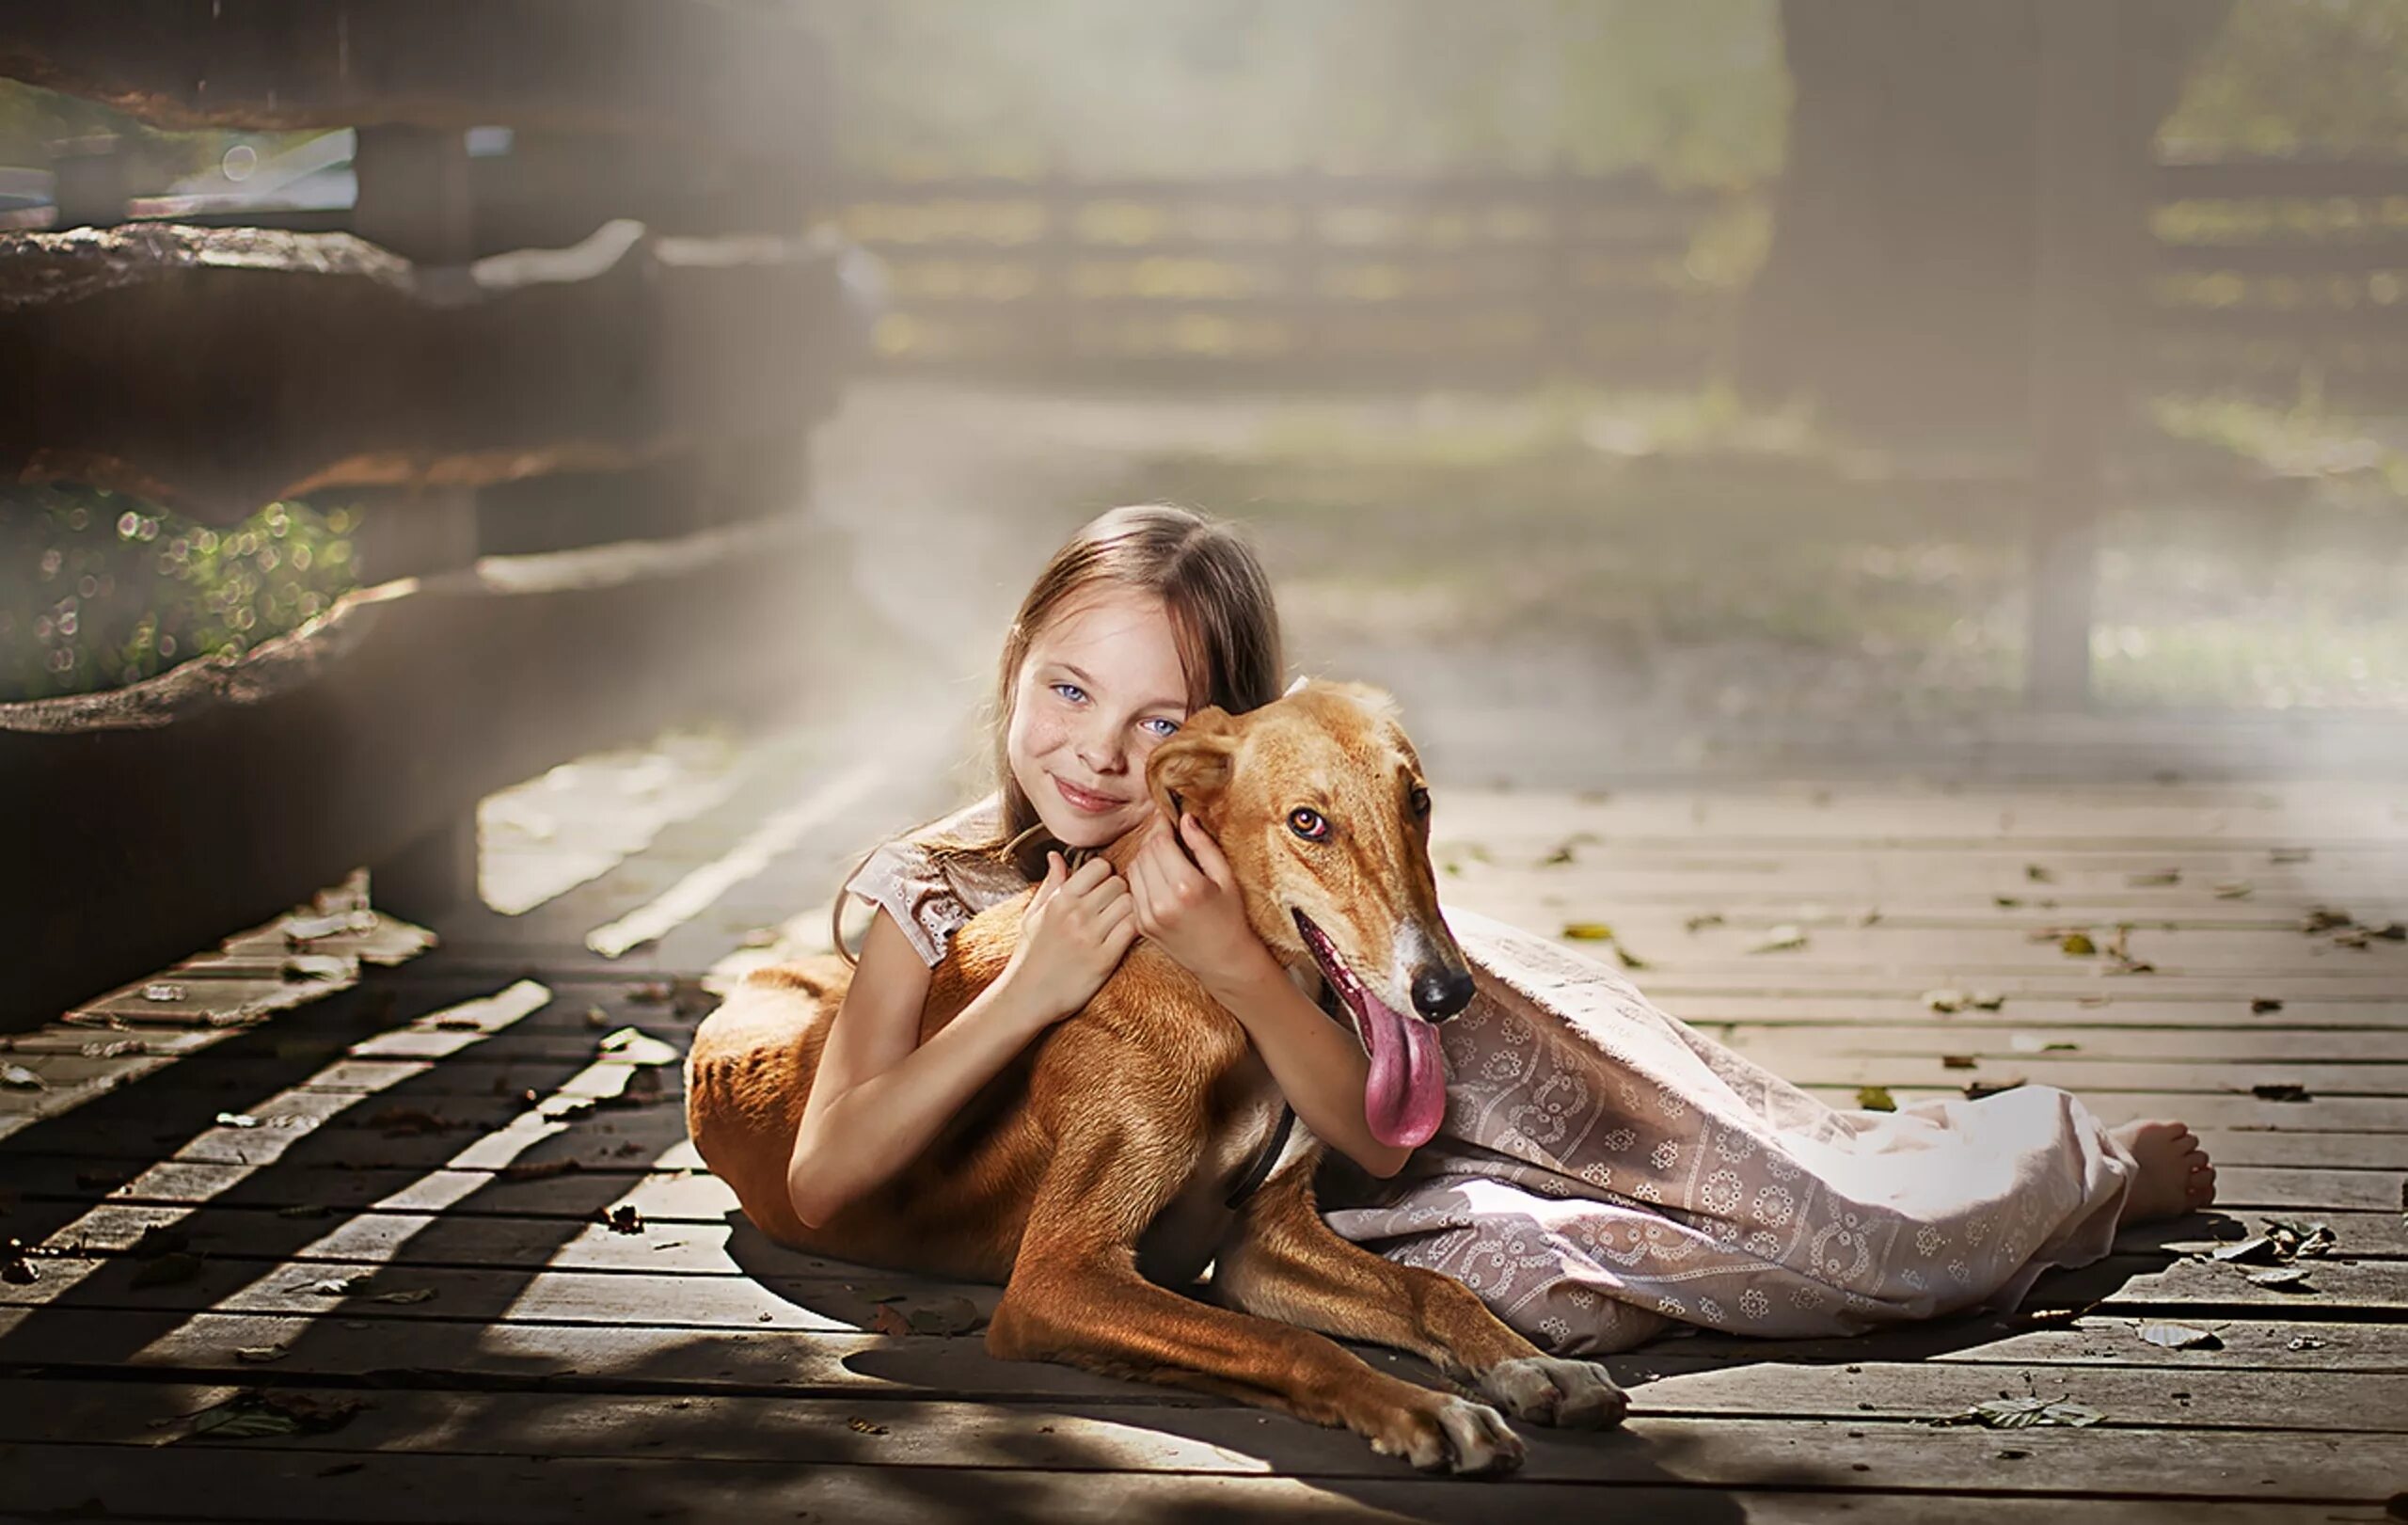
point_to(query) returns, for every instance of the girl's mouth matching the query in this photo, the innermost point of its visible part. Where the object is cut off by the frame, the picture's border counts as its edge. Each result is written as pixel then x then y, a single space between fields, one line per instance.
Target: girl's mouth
pixel 1093 804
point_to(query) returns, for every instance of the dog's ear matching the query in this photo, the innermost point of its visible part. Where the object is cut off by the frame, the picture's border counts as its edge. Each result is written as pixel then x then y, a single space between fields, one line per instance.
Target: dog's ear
pixel 1379 702
pixel 1191 768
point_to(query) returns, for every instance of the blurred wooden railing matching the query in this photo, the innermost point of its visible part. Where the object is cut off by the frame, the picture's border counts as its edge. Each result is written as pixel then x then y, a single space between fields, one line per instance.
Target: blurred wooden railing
pixel 2258 272
pixel 652 382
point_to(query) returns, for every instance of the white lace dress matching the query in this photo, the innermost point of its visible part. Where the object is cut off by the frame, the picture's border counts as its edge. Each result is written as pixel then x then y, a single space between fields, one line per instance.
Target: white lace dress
pixel 1604 1169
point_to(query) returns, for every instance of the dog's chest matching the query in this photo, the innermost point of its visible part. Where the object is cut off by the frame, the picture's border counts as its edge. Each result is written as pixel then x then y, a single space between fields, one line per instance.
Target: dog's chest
pixel 1184 1239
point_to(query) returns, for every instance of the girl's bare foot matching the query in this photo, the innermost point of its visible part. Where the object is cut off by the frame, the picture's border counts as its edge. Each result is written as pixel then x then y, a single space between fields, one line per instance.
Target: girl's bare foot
pixel 2175 1176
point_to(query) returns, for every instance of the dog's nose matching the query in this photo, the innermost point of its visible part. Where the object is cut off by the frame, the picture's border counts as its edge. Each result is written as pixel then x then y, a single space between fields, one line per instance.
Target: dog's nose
pixel 1439 993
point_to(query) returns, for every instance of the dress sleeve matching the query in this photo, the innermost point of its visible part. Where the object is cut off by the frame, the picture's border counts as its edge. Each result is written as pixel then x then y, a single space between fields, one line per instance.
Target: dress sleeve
pixel 902 879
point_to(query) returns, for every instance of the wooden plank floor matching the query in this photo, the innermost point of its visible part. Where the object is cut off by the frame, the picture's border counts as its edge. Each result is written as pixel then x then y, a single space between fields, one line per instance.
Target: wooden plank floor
pixel 384 1209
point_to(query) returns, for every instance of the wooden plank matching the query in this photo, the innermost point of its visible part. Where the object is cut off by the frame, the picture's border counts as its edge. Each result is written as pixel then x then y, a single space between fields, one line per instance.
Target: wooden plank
pixel 355 368
pixel 220 1483
pixel 1864 1457
pixel 828 1302
pixel 727 78
pixel 355 734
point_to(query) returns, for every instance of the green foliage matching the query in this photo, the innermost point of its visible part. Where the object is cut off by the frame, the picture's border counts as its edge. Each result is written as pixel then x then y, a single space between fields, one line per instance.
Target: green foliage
pixel 2286 76
pixel 98 588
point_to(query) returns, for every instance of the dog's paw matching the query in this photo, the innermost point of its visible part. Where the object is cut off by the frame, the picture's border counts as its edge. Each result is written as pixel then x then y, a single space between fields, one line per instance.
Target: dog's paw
pixel 1572 1395
pixel 1451 1434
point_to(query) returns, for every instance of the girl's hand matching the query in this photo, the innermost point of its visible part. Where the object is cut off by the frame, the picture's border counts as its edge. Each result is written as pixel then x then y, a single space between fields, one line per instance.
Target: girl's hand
pixel 1071 938
pixel 1194 912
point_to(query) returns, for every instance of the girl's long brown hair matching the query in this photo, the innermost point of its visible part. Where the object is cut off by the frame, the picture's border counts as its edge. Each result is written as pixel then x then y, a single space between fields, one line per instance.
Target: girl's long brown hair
pixel 1222 617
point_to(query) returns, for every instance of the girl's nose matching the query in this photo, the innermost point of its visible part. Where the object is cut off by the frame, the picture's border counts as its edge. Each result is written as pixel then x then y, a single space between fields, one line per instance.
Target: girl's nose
pixel 1104 753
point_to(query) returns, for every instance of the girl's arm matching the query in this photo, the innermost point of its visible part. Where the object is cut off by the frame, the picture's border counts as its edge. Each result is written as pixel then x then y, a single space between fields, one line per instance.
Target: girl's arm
pixel 1197 919
pixel 880 1094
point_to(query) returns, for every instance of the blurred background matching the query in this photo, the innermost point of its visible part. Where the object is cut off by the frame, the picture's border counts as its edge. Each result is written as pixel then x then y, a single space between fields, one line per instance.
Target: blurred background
pixel 1742 389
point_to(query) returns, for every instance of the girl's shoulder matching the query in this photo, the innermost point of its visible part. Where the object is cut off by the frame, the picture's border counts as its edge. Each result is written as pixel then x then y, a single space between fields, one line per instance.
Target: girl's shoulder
pixel 930 892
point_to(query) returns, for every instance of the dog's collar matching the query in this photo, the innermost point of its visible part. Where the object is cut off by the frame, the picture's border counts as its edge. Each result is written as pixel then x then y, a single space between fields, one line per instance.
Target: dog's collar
pixel 1258 1170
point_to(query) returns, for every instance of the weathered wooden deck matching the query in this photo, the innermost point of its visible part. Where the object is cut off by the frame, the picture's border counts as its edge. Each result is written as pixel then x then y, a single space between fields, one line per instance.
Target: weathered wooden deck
pixel 451 1130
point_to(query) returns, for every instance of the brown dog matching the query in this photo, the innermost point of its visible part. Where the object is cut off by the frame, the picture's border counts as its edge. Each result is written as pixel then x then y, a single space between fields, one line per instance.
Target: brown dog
pixel 1104 1155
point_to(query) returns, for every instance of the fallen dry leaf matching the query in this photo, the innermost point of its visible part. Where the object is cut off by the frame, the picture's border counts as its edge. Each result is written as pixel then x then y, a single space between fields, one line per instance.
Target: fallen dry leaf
pixel 2181 1337
pixel 1957 1061
pixel 1782 939
pixel 2265 1004
pixel 1874 1099
pixel 1588 931
pixel 623 1218
pixel 1975 1090
pixel 2280 1091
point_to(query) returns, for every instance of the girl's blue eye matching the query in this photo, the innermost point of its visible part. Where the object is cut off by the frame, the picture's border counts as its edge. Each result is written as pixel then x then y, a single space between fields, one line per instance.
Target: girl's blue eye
pixel 1169 727
pixel 1071 691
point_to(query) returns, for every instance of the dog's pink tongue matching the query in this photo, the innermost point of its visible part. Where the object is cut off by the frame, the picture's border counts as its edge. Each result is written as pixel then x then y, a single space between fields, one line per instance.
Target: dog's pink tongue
pixel 1404 1097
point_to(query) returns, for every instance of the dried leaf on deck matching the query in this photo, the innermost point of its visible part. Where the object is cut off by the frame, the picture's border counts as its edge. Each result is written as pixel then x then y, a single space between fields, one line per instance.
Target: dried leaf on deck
pixel 2255 1247
pixel 2181 1337
pixel 159 990
pixel 237 1120
pixel 2077 945
pixel 2006 902
pixel 1944 1002
pixel 1957 1061
pixel 2291 855
pixel 1563 851
pixel 402 1296
pixel 162 1239
pixel 17 1077
pixel 1874 1099
pixel 338 1286
pixel 2023 1413
pixel 1782 939
pixel 2323 918
pixel 1702 920
pixel 1975 1090
pixel 257 1413
pixel 1588 931
pixel 623 1218
pixel 2162 876
pixel 2234 889
pixel 261 1354
pixel 864 1427
pixel 2282 1279
pixel 1629 961
pixel 408 1122
pixel 2280 1091
pixel 2039 875
pixel 2264 1005
pixel 943 1316
pixel 539 1169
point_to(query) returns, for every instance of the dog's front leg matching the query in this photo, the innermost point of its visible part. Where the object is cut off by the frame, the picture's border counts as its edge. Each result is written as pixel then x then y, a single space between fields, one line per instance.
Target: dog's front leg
pixel 1284 1263
pixel 1075 1296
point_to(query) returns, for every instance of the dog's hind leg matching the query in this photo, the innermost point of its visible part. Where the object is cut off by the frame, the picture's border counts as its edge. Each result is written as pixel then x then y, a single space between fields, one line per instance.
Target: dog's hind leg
pixel 1285 1262
pixel 1075 1296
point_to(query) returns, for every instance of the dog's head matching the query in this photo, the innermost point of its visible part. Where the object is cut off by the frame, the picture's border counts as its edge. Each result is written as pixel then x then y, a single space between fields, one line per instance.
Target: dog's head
pixel 1318 802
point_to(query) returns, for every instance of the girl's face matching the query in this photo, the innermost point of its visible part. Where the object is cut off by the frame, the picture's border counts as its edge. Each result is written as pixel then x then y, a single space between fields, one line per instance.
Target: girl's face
pixel 1100 688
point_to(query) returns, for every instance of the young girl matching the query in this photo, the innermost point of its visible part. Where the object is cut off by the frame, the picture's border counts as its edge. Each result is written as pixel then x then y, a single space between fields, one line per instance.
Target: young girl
pixel 1603 1170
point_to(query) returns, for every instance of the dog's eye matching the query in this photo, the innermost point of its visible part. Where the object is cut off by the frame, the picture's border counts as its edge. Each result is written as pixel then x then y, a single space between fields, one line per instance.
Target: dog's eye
pixel 1308 824
pixel 1419 800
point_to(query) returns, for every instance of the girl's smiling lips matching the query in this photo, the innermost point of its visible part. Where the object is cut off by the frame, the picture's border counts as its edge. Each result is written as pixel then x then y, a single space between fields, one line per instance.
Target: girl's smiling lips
pixel 1093 804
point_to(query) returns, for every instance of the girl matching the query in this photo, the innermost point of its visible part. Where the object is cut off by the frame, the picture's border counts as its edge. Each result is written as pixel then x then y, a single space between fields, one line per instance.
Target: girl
pixel 1603 1170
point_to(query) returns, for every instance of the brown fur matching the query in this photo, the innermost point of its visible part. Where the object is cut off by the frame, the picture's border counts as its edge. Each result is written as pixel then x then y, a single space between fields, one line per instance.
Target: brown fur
pixel 1109 1146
